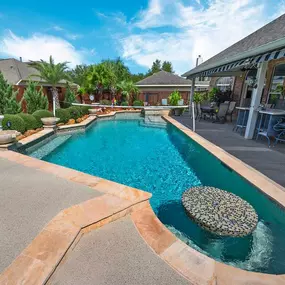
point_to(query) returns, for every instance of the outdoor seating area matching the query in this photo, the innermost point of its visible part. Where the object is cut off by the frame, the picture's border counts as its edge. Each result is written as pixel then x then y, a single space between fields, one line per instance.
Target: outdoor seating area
pixel 214 113
pixel 270 123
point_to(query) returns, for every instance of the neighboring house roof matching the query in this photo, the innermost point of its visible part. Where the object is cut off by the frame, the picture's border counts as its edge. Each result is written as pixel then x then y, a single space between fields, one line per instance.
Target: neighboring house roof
pixel 17 72
pixel 266 39
pixel 163 78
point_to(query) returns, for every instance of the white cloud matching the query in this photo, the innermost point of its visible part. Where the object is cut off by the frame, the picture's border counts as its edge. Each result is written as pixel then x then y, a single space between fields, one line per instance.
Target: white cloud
pixel 205 30
pixel 57 28
pixel 40 46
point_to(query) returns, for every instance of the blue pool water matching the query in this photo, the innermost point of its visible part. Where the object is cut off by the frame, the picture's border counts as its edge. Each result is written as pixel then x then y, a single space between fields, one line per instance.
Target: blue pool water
pixel 165 162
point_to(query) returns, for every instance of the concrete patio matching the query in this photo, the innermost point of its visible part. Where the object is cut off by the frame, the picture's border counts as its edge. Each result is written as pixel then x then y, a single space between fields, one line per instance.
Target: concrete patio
pixel 29 199
pixel 97 259
pixel 269 161
pixel 36 230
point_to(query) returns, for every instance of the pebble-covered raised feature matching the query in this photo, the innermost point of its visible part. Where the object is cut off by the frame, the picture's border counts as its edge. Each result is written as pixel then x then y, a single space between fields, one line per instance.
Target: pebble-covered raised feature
pixel 219 211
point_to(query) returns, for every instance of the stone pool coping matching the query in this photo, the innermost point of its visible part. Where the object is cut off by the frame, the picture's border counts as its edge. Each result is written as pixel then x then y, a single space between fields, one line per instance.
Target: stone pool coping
pixel 270 188
pixel 39 260
pixel 193 265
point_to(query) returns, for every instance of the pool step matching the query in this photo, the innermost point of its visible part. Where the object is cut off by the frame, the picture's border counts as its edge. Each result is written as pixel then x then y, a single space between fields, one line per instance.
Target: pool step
pixel 154 122
pixel 50 146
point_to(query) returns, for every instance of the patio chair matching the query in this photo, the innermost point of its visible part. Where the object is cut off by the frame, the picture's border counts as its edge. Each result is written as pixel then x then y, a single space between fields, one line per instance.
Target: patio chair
pixel 222 113
pixel 280 128
pixel 231 108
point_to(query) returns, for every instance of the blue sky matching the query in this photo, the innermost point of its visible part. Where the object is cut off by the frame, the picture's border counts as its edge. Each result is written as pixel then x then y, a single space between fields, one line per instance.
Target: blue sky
pixel 138 31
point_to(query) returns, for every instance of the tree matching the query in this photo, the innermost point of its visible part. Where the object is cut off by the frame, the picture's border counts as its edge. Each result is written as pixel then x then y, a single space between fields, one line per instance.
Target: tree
pixel 69 97
pixel 128 90
pixel 8 98
pixel 120 70
pixel 167 66
pixel 101 77
pixel 35 99
pixel 79 74
pixel 156 67
pixel 137 77
pixel 51 73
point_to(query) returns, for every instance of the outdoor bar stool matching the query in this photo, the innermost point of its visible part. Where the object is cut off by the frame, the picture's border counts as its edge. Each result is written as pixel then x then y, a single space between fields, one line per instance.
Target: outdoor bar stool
pixel 280 127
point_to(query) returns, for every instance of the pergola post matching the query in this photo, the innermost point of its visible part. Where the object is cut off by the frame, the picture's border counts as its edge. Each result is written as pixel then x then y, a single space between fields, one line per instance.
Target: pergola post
pixel 255 100
pixel 191 96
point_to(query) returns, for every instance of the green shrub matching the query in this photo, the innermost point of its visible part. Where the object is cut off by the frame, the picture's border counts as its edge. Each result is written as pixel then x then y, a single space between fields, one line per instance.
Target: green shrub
pixel 138 103
pixel 13 122
pixel 105 102
pixel 41 114
pixel 125 103
pixel 74 113
pixel 69 97
pixel 174 98
pixel 83 110
pixel 31 122
pixel 35 99
pixel 63 115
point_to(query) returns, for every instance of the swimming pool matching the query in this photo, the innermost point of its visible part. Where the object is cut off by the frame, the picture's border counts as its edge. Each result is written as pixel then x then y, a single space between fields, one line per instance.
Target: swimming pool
pixel 166 162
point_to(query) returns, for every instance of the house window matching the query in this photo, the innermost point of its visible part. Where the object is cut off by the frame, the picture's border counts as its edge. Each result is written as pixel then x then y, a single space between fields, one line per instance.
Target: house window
pixel 224 83
pixel 276 94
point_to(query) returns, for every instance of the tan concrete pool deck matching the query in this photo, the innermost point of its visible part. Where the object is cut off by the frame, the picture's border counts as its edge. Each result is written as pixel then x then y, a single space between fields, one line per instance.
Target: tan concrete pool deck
pixel 51 248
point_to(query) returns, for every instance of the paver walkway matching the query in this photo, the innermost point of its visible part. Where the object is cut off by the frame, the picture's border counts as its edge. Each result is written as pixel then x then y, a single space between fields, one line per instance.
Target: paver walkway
pixel 269 161
pixel 29 199
pixel 114 255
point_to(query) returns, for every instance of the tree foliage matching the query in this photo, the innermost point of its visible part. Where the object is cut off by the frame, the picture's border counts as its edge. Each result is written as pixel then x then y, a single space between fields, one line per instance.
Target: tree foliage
pixel 52 73
pixel 79 74
pixel 158 65
pixel 35 98
pixel 69 97
pixel 167 66
pixel 8 98
pixel 128 90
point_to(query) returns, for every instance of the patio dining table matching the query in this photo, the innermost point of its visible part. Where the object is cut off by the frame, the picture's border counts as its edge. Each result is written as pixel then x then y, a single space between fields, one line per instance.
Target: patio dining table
pixel 242 118
pixel 267 119
pixel 208 110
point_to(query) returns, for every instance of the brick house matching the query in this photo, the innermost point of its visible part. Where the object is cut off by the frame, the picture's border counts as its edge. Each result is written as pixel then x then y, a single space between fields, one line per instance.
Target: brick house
pixel 161 84
pixel 18 74
pixel 257 64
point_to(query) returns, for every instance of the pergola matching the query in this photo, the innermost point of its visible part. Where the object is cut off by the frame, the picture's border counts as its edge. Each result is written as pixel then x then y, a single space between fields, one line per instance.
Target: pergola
pixel 252 52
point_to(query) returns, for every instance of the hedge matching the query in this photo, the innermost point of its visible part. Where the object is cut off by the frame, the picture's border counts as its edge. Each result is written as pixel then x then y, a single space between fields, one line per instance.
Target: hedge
pixel 31 122
pixel 105 102
pixel 138 103
pixel 13 122
pixel 63 115
pixel 74 113
pixel 83 110
pixel 41 114
pixel 124 103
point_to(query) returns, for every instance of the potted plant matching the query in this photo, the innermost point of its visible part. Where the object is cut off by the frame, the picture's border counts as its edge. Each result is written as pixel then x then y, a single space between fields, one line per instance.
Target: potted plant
pixel 174 98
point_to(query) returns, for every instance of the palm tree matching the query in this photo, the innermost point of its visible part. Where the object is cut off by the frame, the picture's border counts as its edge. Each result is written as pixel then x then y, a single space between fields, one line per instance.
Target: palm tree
pixel 128 90
pixel 51 73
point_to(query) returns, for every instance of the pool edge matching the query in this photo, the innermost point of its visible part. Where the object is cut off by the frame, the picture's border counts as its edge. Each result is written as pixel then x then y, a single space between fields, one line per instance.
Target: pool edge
pixel 267 186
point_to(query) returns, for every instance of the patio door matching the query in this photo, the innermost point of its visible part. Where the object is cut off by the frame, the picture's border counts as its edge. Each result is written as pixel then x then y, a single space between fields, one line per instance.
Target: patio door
pixel 248 89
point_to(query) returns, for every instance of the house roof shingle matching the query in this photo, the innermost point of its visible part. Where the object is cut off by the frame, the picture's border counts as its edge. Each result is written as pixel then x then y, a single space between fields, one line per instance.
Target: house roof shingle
pixel 164 78
pixel 269 33
pixel 15 71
